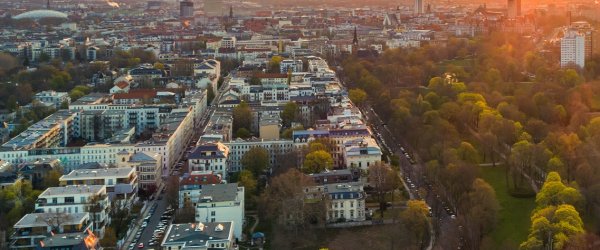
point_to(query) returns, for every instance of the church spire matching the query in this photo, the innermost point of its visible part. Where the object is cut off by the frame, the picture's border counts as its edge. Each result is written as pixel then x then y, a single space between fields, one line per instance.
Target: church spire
pixel 355 39
pixel 230 11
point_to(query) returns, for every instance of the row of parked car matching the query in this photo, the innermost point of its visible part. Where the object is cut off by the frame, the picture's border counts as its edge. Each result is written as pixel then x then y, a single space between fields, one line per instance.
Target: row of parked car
pixel 159 232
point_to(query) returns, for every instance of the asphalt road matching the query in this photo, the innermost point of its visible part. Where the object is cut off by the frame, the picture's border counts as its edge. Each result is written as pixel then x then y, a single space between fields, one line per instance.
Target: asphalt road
pixel 152 224
pixel 148 231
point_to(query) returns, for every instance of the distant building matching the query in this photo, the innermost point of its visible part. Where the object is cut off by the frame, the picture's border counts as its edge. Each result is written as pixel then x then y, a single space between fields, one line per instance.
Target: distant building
pixel 269 127
pixel 92 53
pixel 419 7
pixel 514 9
pixel 587 31
pixel 52 98
pixel 572 50
pixel 200 236
pixel 289 65
pixel 186 9
pixel 222 202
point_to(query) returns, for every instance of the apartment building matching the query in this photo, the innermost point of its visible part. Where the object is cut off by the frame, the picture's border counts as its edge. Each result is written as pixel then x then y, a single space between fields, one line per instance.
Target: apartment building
pixel 209 157
pixel 147 164
pixel 572 49
pixel 52 98
pixel 190 187
pixel 239 147
pixel 347 200
pixel 200 236
pixel 222 202
pixel 121 183
pixel 361 153
pixel 56 130
pixel 91 199
pixel 33 229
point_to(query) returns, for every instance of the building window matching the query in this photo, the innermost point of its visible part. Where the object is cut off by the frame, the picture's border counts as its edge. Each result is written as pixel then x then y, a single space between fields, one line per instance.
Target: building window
pixel 213 213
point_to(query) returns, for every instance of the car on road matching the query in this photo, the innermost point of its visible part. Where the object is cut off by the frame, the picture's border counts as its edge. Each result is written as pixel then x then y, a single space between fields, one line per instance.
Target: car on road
pixel 141 245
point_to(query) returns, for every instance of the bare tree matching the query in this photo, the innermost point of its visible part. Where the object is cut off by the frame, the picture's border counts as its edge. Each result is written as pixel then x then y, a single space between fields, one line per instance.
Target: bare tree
pixel 383 179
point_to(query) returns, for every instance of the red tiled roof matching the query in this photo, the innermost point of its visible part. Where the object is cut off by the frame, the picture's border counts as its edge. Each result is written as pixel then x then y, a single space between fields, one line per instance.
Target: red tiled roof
pixel 122 84
pixel 201 179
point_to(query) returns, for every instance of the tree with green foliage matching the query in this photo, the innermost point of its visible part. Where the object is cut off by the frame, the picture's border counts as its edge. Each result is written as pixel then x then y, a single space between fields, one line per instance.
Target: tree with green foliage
pixel 243 133
pixel 242 116
pixel 552 227
pixel 415 217
pixel 555 220
pixel 357 96
pixel 275 63
pixel 290 113
pixel 317 161
pixel 256 160
pixel 288 133
pixel 554 192
pixel 248 181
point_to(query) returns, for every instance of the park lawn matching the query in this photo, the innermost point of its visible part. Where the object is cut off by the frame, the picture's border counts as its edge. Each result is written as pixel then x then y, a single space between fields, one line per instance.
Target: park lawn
pixel 514 217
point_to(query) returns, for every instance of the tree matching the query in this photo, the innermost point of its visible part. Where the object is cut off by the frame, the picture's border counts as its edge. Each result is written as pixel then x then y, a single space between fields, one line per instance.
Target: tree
pixel 289 132
pixel 256 160
pixel 274 64
pixel 555 220
pixel 283 200
pixel 248 181
pixel 383 179
pixel 357 96
pixel 210 93
pixel 317 161
pixel 468 153
pixel 76 94
pixel 415 218
pixel 482 210
pixel 243 133
pixel 242 116
pixel 554 193
pixel 110 238
pixel 172 191
pixel 553 226
pixel 52 178
pixel 290 114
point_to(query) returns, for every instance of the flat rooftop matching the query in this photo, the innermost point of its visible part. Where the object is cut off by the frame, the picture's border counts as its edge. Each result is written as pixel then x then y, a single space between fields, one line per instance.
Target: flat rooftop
pixel 72 189
pixel 197 234
pixel 220 192
pixel 39 219
pixel 82 174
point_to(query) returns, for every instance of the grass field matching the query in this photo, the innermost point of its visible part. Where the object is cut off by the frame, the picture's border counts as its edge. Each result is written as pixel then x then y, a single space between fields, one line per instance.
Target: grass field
pixel 514 218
